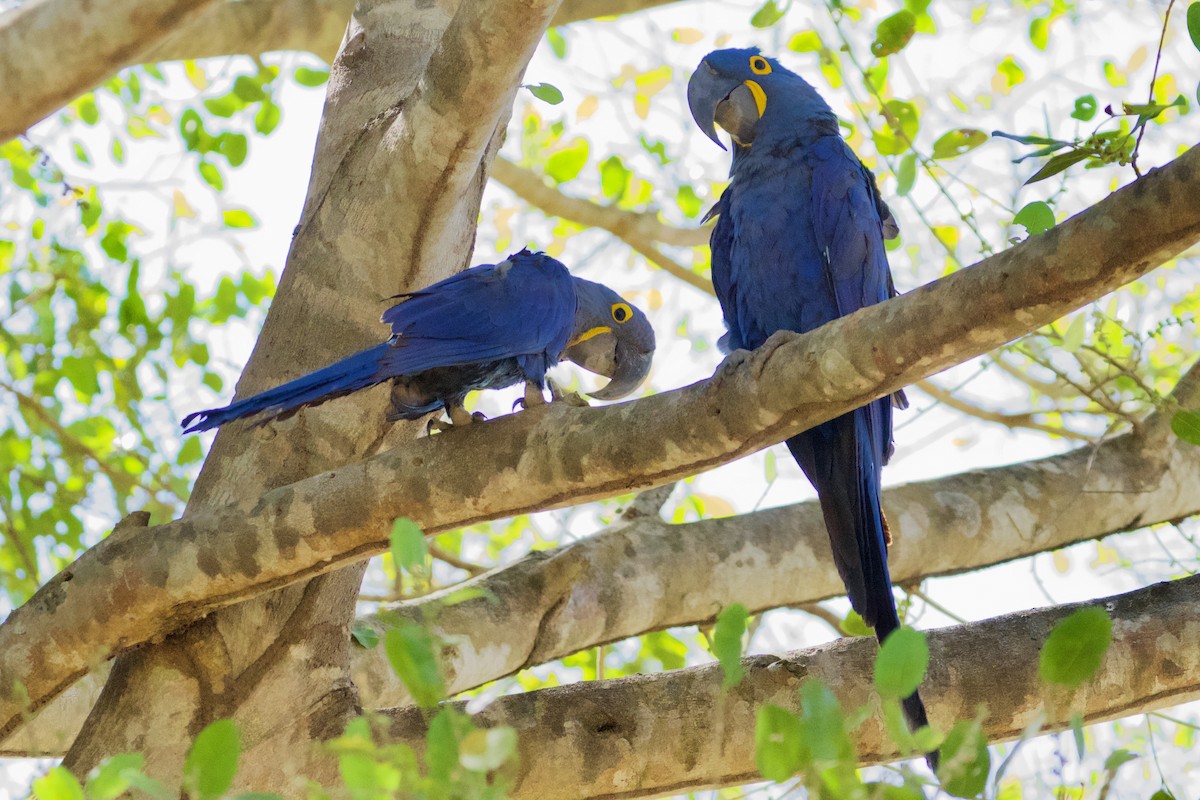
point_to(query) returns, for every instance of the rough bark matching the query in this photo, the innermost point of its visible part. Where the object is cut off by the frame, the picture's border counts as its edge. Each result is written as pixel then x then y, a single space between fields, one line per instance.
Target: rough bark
pixel 642 574
pixel 649 735
pixel 37 79
pixel 278 664
pixel 106 38
pixel 175 573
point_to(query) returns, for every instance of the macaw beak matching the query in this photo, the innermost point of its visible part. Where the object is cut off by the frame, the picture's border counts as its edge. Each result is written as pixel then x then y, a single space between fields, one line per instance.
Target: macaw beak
pixel 624 364
pixel 717 100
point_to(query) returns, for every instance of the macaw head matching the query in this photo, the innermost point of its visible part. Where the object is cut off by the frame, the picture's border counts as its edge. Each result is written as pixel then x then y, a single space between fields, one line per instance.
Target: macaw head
pixel 738 88
pixel 610 338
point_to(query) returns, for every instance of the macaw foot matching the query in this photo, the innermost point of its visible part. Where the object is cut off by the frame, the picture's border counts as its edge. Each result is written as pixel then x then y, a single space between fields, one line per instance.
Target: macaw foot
pixel 730 364
pixel 560 395
pixel 459 418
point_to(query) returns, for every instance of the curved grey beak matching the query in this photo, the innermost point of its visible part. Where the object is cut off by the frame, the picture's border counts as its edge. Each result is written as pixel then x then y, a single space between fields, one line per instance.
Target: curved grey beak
pixel 715 99
pixel 624 365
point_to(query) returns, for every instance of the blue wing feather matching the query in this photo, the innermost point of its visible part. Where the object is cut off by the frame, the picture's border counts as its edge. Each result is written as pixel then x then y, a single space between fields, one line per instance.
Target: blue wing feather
pixel 521 310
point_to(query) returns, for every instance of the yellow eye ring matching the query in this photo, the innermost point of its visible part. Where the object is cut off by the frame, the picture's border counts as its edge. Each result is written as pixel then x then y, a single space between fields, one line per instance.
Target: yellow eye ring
pixel 621 312
pixel 759 65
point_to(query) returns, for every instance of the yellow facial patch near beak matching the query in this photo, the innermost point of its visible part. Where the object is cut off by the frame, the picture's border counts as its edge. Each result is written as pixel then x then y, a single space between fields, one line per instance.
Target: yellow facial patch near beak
pixel 588 334
pixel 760 97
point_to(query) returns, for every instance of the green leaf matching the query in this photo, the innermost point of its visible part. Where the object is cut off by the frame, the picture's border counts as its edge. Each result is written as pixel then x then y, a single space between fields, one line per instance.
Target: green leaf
pixel 111 779
pixel 1058 164
pixel 906 175
pixel 238 218
pixel 688 202
pixel 412 652
pixel 1162 794
pixel 893 33
pixel 768 14
pixel 224 106
pixel 408 545
pixel 57 784
pixel 1039 32
pixel 88 112
pixel 545 92
pixel 485 750
pixel 853 625
pixel 212 175
pixel 824 723
pixel 1037 217
pixel 956 142
pixel 805 42
pixel 965 760
pixel 727 643
pixel 1085 107
pixel 1076 647
pixel 558 44
pixel 113 240
pixel 563 165
pixel 1193 23
pixel 903 123
pixel 248 89
pixel 441 752
pixel 778 743
pixel 364 634
pixel 614 177
pixel 267 117
pixel 233 147
pixel 1186 425
pixel 1118 757
pixel 310 77
pixel 1072 340
pixel 212 762
pixel 900 663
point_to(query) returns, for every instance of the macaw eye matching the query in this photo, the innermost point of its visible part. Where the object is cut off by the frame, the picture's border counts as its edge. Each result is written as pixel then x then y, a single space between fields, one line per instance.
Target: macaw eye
pixel 621 312
pixel 759 65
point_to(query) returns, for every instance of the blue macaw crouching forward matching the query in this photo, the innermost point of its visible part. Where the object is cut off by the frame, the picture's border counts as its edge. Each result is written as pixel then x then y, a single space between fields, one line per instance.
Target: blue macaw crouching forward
pixel 487 327
pixel 798 243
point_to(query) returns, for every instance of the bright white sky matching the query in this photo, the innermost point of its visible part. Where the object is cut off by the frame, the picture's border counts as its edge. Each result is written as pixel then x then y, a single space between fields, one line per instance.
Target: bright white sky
pixel 931 441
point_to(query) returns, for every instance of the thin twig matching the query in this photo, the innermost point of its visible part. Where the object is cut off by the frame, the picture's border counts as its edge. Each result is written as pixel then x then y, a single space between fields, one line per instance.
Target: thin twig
pixel 1011 421
pixel 1153 79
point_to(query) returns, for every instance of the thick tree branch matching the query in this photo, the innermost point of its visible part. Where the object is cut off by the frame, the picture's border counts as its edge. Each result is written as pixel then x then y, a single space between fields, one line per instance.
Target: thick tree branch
pixel 108 38
pixel 35 79
pixel 643 574
pixel 128 590
pixel 649 735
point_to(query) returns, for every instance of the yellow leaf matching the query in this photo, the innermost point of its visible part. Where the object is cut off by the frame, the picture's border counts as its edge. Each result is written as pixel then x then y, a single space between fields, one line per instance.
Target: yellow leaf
pixel 641 105
pixel 687 35
pixel 1137 59
pixel 628 72
pixel 196 75
pixel 587 107
pixel 181 206
pixel 1061 562
pixel 160 115
pixel 715 507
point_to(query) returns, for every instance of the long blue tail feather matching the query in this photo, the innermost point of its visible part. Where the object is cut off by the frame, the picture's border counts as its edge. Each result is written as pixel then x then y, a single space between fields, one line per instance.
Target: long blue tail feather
pixel 348 375
pixel 842 460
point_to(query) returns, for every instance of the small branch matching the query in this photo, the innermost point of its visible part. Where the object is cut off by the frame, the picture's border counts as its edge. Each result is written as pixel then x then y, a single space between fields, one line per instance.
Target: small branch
pixel 1011 421
pixel 1153 79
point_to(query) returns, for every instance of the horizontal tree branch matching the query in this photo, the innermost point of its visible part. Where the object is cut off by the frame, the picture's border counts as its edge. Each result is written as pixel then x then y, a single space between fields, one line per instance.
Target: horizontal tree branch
pixel 649 735
pixel 107 38
pixel 129 589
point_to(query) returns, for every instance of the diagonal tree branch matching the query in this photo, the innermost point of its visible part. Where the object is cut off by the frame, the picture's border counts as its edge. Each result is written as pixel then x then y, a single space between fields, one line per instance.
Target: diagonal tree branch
pixel 650 735
pixel 126 591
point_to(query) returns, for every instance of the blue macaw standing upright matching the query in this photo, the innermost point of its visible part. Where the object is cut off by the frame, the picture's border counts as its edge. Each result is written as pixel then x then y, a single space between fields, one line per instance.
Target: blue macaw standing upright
pixel 487 327
pixel 798 243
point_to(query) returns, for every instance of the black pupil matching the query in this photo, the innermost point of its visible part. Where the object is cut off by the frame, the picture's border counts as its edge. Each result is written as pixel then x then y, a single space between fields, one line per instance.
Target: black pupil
pixel 619 314
pixel 758 63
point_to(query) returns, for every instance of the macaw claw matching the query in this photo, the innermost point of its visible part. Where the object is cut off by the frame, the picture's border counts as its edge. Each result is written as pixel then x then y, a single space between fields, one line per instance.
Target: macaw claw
pixel 459 418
